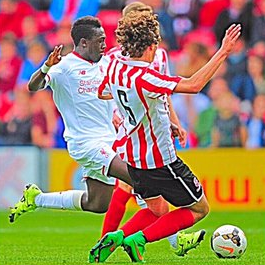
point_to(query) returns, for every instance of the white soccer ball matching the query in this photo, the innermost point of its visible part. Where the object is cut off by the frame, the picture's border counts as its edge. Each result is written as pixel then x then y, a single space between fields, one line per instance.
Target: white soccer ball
pixel 229 241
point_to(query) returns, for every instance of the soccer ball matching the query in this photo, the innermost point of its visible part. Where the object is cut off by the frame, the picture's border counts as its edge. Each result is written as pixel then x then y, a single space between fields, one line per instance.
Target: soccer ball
pixel 228 241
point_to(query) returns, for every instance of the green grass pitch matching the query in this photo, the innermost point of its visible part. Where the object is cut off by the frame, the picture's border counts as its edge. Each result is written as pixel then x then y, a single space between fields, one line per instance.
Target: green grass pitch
pixel 50 237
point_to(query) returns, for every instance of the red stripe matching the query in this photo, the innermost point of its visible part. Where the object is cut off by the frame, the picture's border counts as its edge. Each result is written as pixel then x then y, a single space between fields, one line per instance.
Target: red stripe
pixel 156 152
pixel 121 72
pixel 163 77
pixel 156 89
pixel 129 76
pixel 118 143
pixel 129 151
pixel 105 81
pixel 103 84
pixel 135 128
pixel 164 61
pixel 114 72
pixel 143 147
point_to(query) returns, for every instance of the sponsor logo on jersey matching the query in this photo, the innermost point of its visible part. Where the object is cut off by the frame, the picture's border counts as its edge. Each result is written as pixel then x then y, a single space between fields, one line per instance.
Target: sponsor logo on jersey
pixel 82 72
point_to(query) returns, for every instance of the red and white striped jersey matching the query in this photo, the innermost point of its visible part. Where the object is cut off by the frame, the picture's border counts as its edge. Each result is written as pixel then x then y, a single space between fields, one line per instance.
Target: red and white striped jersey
pixel 160 64
pixel 140 93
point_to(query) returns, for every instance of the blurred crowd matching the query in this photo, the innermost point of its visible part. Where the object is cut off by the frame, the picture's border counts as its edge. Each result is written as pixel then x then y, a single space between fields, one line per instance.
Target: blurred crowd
pixel 230 110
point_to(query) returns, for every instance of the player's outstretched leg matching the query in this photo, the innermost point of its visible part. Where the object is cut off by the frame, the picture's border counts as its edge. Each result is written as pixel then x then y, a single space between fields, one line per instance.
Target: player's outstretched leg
pixel 106 246
pixel 134 245
pixel 186 242
pixel 26 203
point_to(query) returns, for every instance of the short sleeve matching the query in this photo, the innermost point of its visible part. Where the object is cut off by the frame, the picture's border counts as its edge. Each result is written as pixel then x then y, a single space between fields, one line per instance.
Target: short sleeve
pixel 104 88
pixel 157 84
pixel 53 77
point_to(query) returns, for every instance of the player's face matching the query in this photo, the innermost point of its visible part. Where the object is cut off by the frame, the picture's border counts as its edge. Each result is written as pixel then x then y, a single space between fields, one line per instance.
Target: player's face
pixel 96 46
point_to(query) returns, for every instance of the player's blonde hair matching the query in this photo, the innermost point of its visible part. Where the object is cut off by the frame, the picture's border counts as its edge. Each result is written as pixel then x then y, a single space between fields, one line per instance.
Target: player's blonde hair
pixel 136 31
pixel 136 6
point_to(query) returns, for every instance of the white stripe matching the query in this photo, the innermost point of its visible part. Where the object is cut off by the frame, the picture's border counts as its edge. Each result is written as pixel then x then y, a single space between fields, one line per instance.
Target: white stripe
pixel 125 76
pixel 136 151
pixel 183 183
pixel 117 73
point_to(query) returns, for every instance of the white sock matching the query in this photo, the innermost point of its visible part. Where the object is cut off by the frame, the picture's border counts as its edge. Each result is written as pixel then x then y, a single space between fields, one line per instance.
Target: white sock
pixel 173 240
pixel 70 200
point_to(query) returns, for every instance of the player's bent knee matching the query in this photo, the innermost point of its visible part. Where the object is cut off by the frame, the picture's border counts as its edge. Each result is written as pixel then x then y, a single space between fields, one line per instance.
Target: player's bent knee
pixel 158 206
pixel 205 211
pixel 96 204
pixel 125 187
pixel 200 209
pixel 95 208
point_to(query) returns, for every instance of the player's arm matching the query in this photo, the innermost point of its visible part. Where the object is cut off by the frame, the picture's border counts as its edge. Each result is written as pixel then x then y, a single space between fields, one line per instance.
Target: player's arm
pixel 177 129
pixel 103 90
pixel 37 80
pixel 105 97
pixel 197 81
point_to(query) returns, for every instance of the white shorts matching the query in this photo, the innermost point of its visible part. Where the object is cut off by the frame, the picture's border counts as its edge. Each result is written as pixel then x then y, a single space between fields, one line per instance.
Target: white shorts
pixel 94 157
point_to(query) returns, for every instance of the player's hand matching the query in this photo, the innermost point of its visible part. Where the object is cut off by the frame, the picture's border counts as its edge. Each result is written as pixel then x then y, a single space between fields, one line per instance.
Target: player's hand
pixel 55 56
pixel 180 133
pixel 116 120
pixel 230 38
pixel 183 136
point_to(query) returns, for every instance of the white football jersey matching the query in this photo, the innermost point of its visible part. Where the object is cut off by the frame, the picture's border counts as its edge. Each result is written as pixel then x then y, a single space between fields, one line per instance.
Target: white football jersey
pixel 75 82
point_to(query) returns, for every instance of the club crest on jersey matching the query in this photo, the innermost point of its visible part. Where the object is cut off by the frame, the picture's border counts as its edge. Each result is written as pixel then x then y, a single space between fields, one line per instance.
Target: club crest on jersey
pixel 104 152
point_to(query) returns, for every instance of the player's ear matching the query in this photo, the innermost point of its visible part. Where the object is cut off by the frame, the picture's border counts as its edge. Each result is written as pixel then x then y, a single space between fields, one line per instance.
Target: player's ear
pixel 83 42
pixel 152 47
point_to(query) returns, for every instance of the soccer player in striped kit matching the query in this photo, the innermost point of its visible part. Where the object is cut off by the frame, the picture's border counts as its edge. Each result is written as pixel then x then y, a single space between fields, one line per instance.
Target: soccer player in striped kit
pixel 155 168
pixel 123 192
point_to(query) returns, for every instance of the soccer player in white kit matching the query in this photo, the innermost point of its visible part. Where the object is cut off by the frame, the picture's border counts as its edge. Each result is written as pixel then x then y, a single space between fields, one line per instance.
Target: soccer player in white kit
pixel 89 132
pixel 155 168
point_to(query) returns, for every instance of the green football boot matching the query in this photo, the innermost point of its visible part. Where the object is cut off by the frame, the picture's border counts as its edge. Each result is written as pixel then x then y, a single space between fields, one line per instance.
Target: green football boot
pixel 186 242
pixel 134 245
pixel 26 203
pixel 106 246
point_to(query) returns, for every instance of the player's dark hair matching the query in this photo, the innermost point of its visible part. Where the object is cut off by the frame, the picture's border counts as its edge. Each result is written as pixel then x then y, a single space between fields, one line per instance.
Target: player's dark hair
pixel 84 28
pixel 136 31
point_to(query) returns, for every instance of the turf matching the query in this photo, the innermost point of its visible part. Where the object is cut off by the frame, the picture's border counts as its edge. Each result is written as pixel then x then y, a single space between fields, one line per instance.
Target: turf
pixel 63 237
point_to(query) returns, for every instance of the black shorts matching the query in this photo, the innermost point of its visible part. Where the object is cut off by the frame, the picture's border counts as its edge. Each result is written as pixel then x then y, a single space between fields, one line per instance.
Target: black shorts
pixel 175 182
